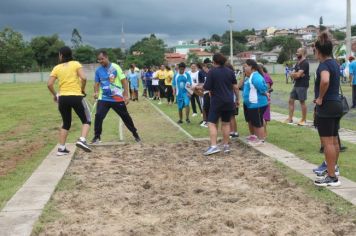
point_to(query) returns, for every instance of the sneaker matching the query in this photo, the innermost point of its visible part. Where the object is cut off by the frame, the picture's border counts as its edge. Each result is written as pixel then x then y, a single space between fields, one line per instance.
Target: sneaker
pixel 204 124
pixel 226 148
pixel 328 181
pixel 234 135
pixel 137 139
pixel 159 103
pixel 194 114
pixel 62 152
pixel 83 145
pixel 321 167
pixel 302 123
pixel 251 137
pixel 211 150
pixel 256 143
pixel 323 173
pixel 288 121
pixel 95 140
pixel 343 149
pixel 180 122
pixel 188 121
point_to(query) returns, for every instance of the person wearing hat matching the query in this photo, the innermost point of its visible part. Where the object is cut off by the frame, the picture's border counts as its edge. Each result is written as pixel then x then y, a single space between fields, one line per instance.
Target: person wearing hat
pixel 352 76
pixel 181 84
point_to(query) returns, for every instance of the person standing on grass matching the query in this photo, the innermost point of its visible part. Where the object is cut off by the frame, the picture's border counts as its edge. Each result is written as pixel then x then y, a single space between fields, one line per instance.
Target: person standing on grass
pixel 133 78
pixel 194 74
pixel 72 81
pixel 267 114
pixel 255 95
pixel 143 79
pixel 352 76
pixel 328 108
pixel 161 76
pixel 148 78
pixel 222 85
pixel 205 97
pixel 111 90
pixel 181 83
pixel 300 75
pixel 168 84
pixel 233 124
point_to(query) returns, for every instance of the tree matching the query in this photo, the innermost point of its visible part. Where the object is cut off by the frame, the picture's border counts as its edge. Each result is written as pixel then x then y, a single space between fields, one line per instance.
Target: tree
pixel 146 52
pixel 15 53
pixel 237 47
pixel 282 57
pixel 215 37
pixel 85 54
pixel 193 57
pixel 76 38
pixel 353 30
pixel 339 35
pixel 46 49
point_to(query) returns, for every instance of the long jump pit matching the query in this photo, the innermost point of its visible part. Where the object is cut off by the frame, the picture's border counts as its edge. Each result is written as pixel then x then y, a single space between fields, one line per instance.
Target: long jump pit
pixel 172 189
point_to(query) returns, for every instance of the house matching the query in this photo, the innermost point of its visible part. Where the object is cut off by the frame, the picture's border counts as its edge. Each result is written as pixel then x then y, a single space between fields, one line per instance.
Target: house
pixel 243 56
pixel 253 40
pixel 184 48
pixel 174 58
pixel 201 54
pixel 270 57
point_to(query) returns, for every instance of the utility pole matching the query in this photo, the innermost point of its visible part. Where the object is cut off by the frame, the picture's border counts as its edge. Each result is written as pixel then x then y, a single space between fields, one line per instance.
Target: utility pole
pixel 348 28
pixel 122 46
pixel 231 21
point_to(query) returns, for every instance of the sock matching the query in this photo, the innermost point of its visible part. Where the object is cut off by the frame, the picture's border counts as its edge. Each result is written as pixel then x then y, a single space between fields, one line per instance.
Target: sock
pixel 214 146
pixel 62 147
pixel 82 139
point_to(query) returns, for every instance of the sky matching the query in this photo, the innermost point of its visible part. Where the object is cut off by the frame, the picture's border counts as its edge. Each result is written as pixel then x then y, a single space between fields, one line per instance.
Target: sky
pixel 100 22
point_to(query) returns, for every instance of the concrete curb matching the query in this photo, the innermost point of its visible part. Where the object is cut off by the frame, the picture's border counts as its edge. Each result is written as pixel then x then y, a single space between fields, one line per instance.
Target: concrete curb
pixel 24 208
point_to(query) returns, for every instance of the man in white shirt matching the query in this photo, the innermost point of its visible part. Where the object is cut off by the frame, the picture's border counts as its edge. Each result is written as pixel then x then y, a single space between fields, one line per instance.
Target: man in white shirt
pixel 194 74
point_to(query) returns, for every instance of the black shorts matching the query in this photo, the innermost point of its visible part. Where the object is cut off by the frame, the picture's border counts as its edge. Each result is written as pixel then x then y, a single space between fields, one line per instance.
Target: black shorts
pixel 327 127
pixel 299 93
pixel 78 104
pixel 222 112
pixel 206 103
pixel 254 115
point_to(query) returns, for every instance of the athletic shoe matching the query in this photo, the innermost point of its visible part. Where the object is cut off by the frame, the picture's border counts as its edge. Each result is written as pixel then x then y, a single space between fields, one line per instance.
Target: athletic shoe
pixel 324 172
pixel 343 149
pixel 321 167
pixel 188 121
pixel 328 181
pixel 159 103
pixel 62 152
pixel 83 145
pixel 288 121
pixel 256 143
pixel 234 135
pixel 226 148
pixel 95 140
pixel 251 137
pixel 302 123
pixel 180 122
pixel 194 114
pixel 137 138
pixel 211 150
pixel 204 124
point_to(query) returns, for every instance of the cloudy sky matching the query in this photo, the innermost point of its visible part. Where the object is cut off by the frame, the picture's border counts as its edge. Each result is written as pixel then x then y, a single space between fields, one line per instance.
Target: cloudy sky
pixel 99 22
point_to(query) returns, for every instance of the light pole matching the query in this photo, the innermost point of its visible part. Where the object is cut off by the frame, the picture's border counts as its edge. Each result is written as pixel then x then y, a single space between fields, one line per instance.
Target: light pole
pixel 348 28
pixel 230 22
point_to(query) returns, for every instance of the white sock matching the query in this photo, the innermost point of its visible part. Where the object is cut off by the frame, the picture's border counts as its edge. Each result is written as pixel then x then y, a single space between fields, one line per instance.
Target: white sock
pixel 214 146
pixel 82 139
pixel 62 147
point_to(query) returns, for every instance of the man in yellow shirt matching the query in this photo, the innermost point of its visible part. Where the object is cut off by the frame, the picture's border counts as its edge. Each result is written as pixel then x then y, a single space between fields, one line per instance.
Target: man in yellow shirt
pixel 161 75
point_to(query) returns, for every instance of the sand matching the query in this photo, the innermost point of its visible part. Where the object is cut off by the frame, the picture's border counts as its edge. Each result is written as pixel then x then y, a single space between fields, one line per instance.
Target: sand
pixel 172 189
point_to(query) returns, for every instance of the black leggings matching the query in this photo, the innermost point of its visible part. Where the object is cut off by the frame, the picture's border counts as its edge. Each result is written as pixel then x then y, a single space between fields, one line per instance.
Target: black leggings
pixel 65 105
pixel 102 110
pixel 195 98
pixel 169 93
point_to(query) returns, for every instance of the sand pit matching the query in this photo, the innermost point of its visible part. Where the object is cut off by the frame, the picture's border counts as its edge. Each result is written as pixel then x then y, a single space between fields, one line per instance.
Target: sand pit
pixel 171 189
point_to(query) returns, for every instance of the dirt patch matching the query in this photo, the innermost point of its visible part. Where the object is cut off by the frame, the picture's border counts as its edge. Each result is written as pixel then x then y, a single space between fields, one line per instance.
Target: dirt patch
pixel 171 189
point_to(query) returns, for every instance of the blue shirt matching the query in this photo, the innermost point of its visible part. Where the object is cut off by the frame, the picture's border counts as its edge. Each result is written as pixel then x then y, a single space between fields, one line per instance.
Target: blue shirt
pixel 332 94
pixel 180 82
pixel 352 71
pixel 133 77
pixel 109 91
pixel 220 83
pixel 254 91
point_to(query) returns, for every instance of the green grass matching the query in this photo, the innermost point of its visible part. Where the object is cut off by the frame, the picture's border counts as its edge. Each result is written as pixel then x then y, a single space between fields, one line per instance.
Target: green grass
pixel 280 97
pixel 29 130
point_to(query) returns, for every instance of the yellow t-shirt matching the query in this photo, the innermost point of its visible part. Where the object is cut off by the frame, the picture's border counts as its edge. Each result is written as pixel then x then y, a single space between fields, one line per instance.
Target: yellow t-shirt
pixel 161 74
pixel 169 77
pixel 68 79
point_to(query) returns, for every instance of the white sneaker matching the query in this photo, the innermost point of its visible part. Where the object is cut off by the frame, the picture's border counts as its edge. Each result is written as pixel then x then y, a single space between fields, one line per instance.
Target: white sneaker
pixel 256 143
pixel 194 114
pixel 159 103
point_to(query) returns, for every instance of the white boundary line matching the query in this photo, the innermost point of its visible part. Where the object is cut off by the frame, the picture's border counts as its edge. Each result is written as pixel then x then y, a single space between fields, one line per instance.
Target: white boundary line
pixel 170 120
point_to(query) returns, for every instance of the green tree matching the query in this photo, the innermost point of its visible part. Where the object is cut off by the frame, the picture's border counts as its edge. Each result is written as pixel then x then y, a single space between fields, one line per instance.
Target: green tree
pixel 148 51
pixel 282 57
pixel 237 47
pixel 353 30
pixel 76 38
pixel 85 54
pixel 339 35
pixel 15 53
pixel 46 49
pixel 193 57
pixel 215 37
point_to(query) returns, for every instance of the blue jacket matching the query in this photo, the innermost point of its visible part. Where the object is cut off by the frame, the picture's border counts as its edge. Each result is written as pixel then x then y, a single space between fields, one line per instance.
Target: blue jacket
pixel 255 89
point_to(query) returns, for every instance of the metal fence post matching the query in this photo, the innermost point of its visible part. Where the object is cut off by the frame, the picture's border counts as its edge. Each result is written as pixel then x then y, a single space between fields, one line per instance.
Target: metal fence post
pixel 14 77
